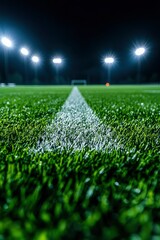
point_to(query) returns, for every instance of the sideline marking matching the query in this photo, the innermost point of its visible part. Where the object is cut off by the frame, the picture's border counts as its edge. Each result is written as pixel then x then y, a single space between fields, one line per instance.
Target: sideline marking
pixel 75 128
pixel 152 91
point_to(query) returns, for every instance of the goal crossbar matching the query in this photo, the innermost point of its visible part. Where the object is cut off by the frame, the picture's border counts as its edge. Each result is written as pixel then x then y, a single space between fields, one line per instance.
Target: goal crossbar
pixel 78 81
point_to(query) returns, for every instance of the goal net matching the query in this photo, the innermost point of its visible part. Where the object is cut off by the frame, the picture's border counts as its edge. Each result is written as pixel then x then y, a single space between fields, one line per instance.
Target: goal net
pixel 79 82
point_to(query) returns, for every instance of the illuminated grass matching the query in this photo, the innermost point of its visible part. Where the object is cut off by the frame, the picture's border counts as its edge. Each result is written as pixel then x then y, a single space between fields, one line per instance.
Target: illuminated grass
pixel 81 195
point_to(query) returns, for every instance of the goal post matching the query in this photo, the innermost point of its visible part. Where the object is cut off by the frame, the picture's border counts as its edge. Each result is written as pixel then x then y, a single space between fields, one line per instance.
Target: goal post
pixel 79 82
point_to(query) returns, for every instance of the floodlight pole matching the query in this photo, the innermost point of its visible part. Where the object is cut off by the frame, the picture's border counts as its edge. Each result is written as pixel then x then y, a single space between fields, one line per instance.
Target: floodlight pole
pixel 109 73
pixel 35 59
pixel 57 62
pixel 6 65
pixel 57 74
pixel 109 61
pixel 139 52
pixel 7 43
pixel 25 70
pixel 139 70
pixel 25 52
pixel 35 73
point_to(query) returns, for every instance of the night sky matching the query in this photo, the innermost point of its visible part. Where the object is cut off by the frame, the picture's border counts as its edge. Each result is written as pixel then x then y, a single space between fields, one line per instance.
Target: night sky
pixel 83 32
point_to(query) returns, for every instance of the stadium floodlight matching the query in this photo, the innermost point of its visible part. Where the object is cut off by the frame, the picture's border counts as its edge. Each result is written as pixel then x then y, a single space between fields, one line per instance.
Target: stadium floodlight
pixel 140 51
pixel 24 51
pixel 109 60
pixel 35 59
pixel 57 60
pixel 6 42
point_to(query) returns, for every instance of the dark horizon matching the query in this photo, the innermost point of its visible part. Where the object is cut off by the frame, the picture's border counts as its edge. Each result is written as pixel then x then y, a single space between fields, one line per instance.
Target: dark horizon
pixel 82 32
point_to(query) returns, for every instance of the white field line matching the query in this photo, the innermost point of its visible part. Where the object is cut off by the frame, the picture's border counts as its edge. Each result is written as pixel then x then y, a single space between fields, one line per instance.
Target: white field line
pixel 77 128
pixel 152 91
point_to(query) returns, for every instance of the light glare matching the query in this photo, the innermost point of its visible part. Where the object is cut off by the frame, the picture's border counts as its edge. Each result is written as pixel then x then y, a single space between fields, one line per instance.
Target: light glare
pixel 109 60
pixel 35 59
pixel 140 51
pixel 6 42
pixel 57 60
pixel 24 51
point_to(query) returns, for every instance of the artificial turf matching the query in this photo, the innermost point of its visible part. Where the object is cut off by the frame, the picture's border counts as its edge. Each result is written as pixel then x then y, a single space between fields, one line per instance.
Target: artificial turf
pixel 87 194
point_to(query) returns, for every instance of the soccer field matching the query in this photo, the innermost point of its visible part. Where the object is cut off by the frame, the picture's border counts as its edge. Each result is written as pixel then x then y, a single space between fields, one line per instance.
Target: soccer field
pixel 80 163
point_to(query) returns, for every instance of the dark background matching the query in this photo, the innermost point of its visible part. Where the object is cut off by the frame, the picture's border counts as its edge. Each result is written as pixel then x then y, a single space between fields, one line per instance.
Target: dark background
pixel 82 33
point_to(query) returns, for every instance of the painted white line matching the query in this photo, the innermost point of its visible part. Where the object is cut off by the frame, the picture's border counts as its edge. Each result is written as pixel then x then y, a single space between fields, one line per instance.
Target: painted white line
pixel 77 128
pixel 152 91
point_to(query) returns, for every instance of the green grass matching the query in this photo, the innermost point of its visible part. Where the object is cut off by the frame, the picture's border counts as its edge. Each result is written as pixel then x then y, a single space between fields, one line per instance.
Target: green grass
pixel 80 196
